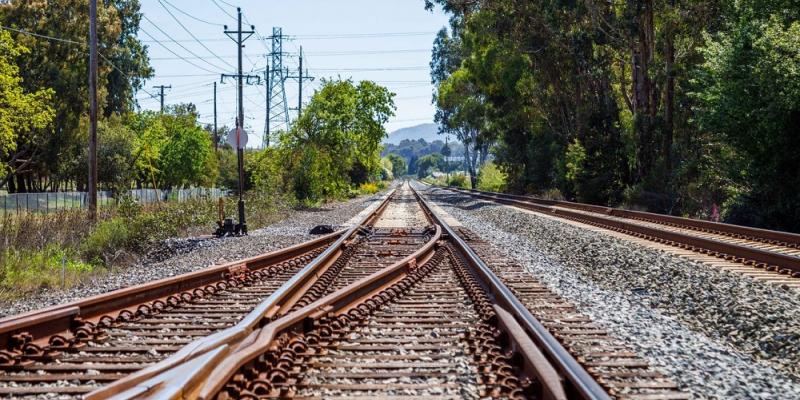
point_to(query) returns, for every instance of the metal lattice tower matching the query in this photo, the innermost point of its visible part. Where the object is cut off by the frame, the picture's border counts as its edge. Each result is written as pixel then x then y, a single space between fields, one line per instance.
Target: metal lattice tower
pixel 278 107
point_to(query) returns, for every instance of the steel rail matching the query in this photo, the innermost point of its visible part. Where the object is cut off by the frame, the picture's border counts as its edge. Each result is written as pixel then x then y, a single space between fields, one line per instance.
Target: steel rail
pixel 581 384
pixel 60 319
pixel 730 251
pixel 204 376
pixel 787 239
pixel 219 343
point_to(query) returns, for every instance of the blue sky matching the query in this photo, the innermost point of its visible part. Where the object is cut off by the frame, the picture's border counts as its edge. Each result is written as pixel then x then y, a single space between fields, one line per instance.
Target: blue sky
pixel 388 41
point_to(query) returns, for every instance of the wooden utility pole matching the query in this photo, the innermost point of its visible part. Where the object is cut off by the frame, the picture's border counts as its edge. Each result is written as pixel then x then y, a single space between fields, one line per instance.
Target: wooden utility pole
pixel 236 36
pixel 216 133
pixel 92 110
pixel 161 88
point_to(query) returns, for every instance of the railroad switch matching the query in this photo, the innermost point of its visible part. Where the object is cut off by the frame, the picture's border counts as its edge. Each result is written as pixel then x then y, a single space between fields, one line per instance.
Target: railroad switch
pixel 225 226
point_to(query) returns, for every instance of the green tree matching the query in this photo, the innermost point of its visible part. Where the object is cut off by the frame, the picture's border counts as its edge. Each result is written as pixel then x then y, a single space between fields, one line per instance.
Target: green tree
pixel 62 65
pixel 20 111
pixel 336 142
pixel 750 98
pixel 399 167
pixel 429 163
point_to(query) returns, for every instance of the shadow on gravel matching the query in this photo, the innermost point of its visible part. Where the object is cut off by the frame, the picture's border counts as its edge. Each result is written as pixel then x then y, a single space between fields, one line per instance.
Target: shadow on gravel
pixel 460 201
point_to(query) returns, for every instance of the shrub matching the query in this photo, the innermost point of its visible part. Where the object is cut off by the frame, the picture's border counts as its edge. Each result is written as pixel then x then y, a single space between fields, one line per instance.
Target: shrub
pixel 458 181
pixel 368 188
pixel 109 237
pixel 490 178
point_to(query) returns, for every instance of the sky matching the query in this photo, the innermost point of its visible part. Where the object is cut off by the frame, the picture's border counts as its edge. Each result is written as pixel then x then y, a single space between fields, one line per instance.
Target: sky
pixel 387 41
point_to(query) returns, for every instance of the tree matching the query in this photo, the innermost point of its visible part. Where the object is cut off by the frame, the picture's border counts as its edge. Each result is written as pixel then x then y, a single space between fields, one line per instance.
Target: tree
pixel 20 111
pixel 399 167
pixel 336 142
pixel 61 65
pixel 750 97
pixel 427 164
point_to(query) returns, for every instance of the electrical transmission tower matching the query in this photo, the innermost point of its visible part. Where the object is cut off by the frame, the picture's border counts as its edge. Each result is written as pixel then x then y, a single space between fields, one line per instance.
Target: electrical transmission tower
pixel 277 106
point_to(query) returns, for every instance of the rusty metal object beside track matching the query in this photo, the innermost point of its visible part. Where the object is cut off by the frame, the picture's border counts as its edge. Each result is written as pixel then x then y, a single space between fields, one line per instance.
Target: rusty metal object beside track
pixel 645 225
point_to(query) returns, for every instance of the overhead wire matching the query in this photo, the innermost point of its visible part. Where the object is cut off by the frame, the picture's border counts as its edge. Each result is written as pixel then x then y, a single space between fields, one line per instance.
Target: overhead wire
pixel 176 54
pixel 62 40
pixel 218 68
pixel 192 34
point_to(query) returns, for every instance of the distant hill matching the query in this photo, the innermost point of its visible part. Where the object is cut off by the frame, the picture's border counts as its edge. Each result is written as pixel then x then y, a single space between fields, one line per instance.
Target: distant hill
pixel 423 131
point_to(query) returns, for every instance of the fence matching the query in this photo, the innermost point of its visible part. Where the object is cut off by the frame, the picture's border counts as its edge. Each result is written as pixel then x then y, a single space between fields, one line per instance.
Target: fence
pixel 55 201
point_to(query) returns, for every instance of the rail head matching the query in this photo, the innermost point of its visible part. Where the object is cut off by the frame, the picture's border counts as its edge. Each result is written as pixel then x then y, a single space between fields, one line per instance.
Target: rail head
pixel 281 299
pixel 580 384
pixel 205 383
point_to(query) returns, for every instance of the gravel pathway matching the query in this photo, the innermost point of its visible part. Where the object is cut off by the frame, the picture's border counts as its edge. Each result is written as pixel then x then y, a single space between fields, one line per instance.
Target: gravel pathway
pixel 179 256
pixel 719 334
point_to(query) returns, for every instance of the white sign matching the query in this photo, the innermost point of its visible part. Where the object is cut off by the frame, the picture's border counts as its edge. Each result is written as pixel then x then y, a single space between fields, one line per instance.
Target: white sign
pixel 237 138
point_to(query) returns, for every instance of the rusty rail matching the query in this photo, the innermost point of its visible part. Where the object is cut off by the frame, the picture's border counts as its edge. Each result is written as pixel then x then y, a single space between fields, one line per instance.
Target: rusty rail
pixel 578 382
pixel 203 376
pixel 196 378
pixel 37 326
pixel 218 344
pixel 782 263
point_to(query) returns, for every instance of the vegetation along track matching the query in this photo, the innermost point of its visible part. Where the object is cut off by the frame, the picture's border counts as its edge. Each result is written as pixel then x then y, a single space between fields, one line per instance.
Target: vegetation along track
pixel 777 252
pixel 407 310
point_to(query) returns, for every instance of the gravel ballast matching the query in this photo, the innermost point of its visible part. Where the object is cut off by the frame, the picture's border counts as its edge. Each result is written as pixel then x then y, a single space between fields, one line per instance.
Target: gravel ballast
pixel 719 334
pixel 181 255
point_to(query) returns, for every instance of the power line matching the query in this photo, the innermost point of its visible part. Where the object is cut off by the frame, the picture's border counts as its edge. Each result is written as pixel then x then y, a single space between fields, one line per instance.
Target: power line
pixel 173 40
pixel 223 10
pixel 329 36
pixel 191 16
pixel 192 34
pixel 56 39
pixel 176 54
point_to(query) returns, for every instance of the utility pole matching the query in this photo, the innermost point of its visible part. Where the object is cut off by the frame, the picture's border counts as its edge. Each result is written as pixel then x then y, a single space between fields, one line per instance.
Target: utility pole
pixel 161 88
pixel 92 110
pixel 216 133
pixel 300 78
pixel 236 36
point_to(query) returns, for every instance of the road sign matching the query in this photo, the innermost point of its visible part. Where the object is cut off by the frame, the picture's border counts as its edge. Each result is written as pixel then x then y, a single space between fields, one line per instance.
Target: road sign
pixel 237 138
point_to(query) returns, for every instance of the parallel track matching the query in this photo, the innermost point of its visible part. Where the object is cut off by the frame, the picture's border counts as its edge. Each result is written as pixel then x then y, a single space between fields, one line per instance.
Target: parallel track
pixel 769 250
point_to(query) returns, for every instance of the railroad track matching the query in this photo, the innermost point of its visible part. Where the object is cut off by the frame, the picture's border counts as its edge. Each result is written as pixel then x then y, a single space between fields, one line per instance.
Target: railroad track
pixel 73 349
pixel 405 308
pixel 770 251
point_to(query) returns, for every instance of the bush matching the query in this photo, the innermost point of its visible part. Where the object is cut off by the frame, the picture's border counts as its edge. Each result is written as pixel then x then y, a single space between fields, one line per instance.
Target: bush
pixel 51 266
pixel 104 244
pixel 368 188
pixel 491 179
pixel 458 181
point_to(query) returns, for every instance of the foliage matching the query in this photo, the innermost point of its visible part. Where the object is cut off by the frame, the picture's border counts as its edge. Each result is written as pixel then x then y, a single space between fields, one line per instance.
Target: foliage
pixel 27 269
pixel 668 106
pixel 368 188
pixel 336 142
pixel 458 180
pixel 490 178
pixel 52 151
pixel 751 97
pixel 399 167
pixel 20 110
pixel 427 164
pixel 108 238
pixel 411 150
